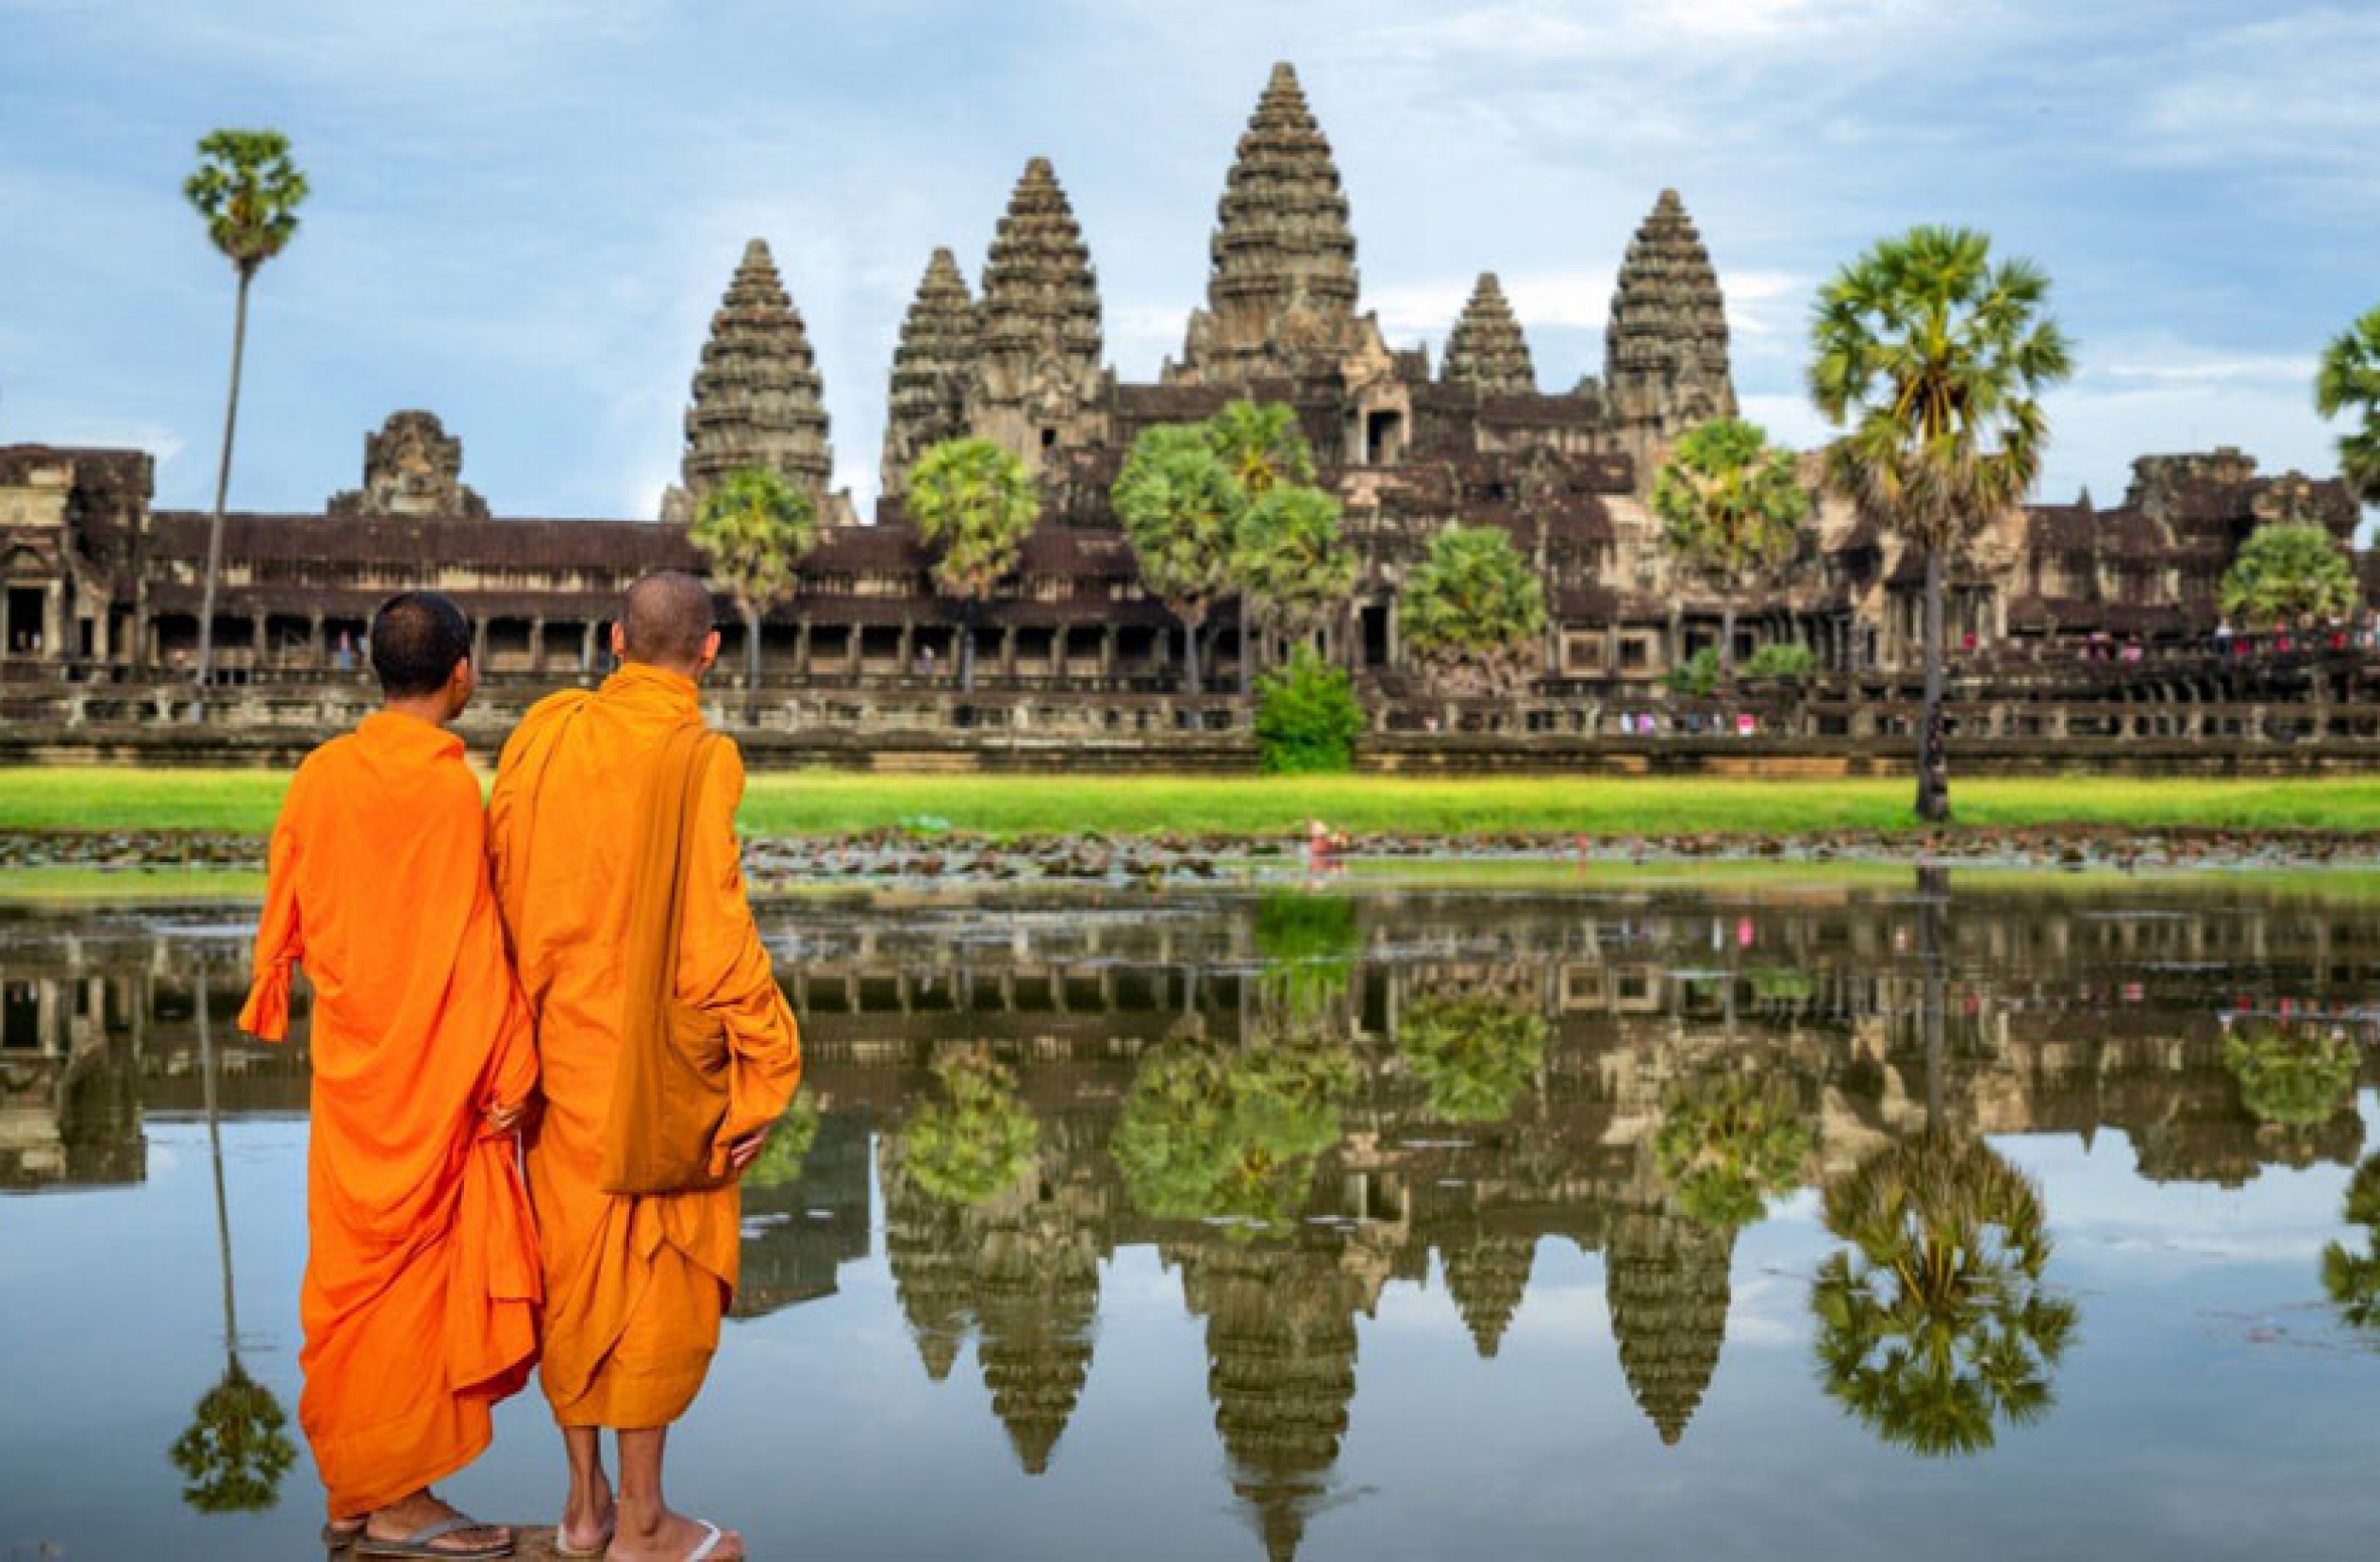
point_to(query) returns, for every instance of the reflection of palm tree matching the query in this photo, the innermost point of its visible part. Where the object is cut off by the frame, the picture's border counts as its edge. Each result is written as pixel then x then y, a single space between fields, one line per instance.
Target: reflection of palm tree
pixel 976 1139
pixel 2353 1279
pixel 782 1159
pixel 1474 1051
pixel 1933 1324
pixel 2294 1076
pixel 1212 1133
pixel 1728 1144
pixel 235 1450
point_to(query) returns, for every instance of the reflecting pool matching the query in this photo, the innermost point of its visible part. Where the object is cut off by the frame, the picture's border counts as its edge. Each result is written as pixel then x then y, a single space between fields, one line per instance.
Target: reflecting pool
pixel 1833 1219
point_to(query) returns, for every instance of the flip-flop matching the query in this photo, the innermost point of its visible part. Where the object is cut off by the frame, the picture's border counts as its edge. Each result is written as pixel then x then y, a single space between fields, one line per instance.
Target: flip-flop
pixel 418 1544
pixel 712 1534
pixel 339 1537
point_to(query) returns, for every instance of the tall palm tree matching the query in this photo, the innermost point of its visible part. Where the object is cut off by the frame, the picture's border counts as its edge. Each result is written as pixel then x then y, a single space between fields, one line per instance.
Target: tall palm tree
pixel 248 190
pixel 755 527
pixel 973 503
pixel 2349 382
pixel 235 1450
pixel 1933 359
pixel 1178 505
pixel 1731 510
pixel 1291 567
pixel 1261 444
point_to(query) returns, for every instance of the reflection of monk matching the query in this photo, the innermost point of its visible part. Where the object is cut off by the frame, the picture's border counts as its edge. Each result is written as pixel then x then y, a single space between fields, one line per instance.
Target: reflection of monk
pixel 422 1274
pixel 635 1285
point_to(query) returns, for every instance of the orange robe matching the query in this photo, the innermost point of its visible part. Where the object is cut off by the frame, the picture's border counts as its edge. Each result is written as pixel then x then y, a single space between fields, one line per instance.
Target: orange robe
pixel 421 1280
pixel 635 1286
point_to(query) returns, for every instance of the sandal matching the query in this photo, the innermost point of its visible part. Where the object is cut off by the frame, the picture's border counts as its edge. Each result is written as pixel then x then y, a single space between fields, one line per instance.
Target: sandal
pixel 339 1534
pixel 711 1538
pixel 420 1542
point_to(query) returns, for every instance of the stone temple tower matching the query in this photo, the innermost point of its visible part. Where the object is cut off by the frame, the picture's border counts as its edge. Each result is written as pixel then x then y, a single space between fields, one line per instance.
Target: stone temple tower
pixel 1665 354
pixel 758 398
pixel 1485 349
pixel 1281 293
pixel 930 369
pixel 1038 386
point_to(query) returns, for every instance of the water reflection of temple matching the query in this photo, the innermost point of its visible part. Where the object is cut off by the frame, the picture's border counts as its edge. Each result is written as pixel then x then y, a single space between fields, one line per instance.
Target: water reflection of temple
pixel 2058 1016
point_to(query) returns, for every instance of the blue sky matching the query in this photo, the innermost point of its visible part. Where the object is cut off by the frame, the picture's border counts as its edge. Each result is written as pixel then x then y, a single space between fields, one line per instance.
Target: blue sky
pixel 525 212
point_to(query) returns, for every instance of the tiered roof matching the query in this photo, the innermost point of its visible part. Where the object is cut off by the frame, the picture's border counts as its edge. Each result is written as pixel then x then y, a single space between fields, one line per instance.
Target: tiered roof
pixel 1040 297
pixel 1486 350
pixel 930 367
pixel 758 399
pixel 1665 1279
pixel 1665 354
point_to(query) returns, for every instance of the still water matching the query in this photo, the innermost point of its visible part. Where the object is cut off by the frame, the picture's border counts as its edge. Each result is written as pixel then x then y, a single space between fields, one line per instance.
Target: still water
pixel 1839 1222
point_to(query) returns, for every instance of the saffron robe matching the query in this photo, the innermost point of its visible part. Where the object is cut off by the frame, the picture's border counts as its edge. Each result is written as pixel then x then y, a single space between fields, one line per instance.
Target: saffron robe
pixel 635 1287
pixel 421 1279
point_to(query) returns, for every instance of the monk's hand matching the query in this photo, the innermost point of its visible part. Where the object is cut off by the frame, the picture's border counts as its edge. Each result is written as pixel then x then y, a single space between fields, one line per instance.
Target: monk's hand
pixel 744 1151
pixel 505 1117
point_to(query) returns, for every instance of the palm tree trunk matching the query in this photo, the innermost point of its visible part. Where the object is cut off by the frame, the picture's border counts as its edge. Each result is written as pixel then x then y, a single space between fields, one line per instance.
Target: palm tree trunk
pixel 222 490
pixel 1190 652
pixel 215 1149
pixel 1933 761
pixel 1727 640
pixel 1932 885
pixel 1247 654
pixel 967 645
pixel 751 664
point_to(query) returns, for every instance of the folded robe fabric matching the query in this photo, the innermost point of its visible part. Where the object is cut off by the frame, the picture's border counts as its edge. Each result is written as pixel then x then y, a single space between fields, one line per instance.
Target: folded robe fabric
pixel 422 1276
pixel 635 1285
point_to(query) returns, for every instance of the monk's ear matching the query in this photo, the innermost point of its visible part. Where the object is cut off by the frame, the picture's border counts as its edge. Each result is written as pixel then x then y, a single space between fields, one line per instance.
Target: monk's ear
pixel 618 640
pixel 463 683
pixel 711 648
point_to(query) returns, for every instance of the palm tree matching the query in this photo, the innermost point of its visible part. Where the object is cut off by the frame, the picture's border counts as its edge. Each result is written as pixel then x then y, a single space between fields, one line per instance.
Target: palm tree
pixel 1474 610
pixel 755 527
pixel 974 503
pixel 235 1450
pixel 248 191
pixel 1731 510
pixel 2349 382
pixel 1728 1144
pixel 1261 445
pixel 1933 359
pixel 2288 576
pixel 1215 1133
pixel 2353 1279
pixel 972 1141
pixel 1932 1322
pixel 1291 565
pixel 1473 1049
pixel 1178 505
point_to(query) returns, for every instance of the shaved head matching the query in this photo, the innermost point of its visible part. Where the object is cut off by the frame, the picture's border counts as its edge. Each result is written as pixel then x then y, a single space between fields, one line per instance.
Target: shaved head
pixel 417 638
pixel 667 621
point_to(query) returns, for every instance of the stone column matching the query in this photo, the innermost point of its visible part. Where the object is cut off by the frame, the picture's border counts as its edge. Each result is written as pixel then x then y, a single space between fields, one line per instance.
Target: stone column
pixel 852 636
pixel 802 649
pixel 587 646
pixel 260 642
pixel 536 644
pixel 908 652
pixel 54 644
pixel 1108 651
pixel 1008 652
pixel 479 643
pixel 317 642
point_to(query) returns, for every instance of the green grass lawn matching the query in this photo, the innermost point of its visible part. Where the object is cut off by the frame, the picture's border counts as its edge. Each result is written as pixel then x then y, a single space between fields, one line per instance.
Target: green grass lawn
pixel 824 801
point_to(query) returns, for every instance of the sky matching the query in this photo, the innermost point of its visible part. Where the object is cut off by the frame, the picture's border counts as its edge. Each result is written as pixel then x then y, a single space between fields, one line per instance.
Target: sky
pixel 523 213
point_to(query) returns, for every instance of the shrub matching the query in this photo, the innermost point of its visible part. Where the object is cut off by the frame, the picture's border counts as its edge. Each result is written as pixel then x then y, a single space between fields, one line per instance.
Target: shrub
pixel 1781 660
pixel 1697 674
pixel 1307 716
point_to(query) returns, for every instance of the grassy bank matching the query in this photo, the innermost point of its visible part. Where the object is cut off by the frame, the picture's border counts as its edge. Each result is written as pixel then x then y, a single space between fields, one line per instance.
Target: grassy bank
pixel 824 801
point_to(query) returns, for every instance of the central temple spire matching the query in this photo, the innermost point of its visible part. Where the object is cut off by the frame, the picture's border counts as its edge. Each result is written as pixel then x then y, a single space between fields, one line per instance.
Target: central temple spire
pixel 1283 284
pixel 1038 377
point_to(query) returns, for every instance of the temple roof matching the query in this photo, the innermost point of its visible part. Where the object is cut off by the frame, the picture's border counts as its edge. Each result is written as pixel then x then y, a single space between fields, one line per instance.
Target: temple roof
pixel 937 349
pixel 757 393
pixel 1281 230
pixel 1485 349
pixel 1041 296
pixel 1667 336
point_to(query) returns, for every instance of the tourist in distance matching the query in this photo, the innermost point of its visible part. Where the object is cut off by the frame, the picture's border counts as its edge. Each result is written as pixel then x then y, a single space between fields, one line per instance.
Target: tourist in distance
pixel 607 804
pixel 420 1287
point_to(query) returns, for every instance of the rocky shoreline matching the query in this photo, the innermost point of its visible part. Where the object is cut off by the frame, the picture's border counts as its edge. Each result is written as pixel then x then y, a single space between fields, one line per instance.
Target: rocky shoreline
pixel 952 856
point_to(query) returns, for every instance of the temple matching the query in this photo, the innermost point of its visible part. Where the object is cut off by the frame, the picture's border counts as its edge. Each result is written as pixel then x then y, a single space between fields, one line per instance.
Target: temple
pixel 101 583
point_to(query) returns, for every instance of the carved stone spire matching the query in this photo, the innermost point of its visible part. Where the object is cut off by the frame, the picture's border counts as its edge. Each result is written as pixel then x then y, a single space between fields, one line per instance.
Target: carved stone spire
pixel 937 351
pixel 757 393
pixel 1665 355
pixel 1485 349
pixel 1665 1280
pixel 1038 379
pixel 411 467
pixel 1488 1276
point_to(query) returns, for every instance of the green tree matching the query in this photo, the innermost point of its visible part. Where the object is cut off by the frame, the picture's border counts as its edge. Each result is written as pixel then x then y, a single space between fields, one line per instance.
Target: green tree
pixel 1307 716
pixel 1309 943
pixel 248 190
pixel 753 529
pixel 974 504
pixel 2352 1279
pixel 1932 1322
pixel 1731 511
pixel 974 1138
pixel 1291 565
pixel 1475 1049
pixel 1475 611
pixel 1179 506
pixel 1728 1144
pixel 1933 359
pixel 783 1159
pixel 1261 445
pixel 2348 382
pixel 2294 1076
pixel 1212 1133
pixel 2288 576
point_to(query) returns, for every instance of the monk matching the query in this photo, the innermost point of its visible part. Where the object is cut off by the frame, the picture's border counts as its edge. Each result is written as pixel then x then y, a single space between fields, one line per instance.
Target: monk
pixel 421 1276
pixel 635 1286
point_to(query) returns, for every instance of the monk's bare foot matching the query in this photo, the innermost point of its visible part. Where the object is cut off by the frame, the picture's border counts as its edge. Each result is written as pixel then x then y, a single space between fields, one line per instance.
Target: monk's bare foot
pixel 587 1519
pixel 666 1537
pixel 402 1519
